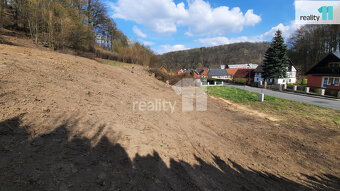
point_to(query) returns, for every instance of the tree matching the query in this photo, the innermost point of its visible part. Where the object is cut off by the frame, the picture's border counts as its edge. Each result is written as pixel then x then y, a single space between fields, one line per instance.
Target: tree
pixel 34 18
pixel 2 8
pixel 309 44
pixel 276 61
pixel 212 56
pixel 83 25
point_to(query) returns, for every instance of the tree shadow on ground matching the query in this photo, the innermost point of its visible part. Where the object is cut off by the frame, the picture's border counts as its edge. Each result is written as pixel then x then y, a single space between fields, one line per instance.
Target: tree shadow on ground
pixel 54 161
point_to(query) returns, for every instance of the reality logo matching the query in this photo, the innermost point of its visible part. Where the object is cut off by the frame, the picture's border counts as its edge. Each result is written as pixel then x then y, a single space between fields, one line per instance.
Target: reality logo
pixel 326 11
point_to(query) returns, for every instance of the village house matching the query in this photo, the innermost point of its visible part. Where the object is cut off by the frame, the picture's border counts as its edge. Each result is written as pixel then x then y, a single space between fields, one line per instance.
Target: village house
pixel 326 74
pixel 182 71
pixel 197 74
pixel 204 73
pixel 221 74
pixel 201 73
pixel 241 73
pixel 232 71
pixel 291 75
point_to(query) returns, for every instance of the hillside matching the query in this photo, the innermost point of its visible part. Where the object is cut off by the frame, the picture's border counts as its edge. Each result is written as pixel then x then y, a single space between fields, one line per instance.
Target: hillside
pixel 68 123
pixel 238 53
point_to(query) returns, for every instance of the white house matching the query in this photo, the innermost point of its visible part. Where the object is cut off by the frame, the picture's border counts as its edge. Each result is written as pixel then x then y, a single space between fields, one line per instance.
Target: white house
pixel 291 76
pixel 218 74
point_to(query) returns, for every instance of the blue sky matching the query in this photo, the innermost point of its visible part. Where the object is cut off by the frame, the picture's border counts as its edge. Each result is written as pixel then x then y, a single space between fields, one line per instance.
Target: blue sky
pixel 169 25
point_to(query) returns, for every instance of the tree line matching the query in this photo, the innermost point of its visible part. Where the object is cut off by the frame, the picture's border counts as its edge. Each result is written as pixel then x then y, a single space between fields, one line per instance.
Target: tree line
pixel 309 44
pixel 77 24
pixel 213 57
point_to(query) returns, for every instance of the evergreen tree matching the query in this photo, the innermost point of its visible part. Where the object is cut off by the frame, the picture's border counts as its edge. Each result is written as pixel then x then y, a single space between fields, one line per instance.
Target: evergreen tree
pixel 276 61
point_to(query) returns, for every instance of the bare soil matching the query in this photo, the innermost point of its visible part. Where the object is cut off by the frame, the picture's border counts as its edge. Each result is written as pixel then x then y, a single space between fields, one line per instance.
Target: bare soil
pixel 67 123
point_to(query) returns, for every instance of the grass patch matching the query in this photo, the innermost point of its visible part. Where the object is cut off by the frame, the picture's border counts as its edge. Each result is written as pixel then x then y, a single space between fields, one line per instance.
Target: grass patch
pixel 283 108
pixel 113 63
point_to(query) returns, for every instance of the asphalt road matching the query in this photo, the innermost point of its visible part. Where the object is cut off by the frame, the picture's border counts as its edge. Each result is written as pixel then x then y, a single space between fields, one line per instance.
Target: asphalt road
pixel 323 102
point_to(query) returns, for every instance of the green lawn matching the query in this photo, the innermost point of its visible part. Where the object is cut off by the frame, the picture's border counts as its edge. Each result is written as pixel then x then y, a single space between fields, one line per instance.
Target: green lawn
pixel 113 63
pixel 277 106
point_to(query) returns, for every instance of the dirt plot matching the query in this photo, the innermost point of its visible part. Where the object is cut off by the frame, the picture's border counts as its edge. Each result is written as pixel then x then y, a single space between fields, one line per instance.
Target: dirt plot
pixel 67 123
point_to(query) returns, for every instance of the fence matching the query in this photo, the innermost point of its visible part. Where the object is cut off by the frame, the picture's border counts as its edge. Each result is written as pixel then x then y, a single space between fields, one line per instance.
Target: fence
pixel 213 84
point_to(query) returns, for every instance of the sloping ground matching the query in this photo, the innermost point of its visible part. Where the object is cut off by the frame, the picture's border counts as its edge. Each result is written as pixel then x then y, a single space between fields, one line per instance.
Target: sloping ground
pixel 68 123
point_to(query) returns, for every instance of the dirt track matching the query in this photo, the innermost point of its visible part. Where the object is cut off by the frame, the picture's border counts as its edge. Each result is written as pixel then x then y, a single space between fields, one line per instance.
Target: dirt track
pixel 67 123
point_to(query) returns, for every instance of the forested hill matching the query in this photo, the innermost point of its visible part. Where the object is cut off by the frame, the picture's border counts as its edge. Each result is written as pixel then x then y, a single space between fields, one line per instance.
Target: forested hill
pixel 79 25
pixel 238 53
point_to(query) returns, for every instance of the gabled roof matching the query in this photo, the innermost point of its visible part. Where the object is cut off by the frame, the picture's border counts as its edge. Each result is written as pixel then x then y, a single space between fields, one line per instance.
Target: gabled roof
pixel 199 70
pixel 322 68
pixel 243 73
pixel 232 71
pixel 337 54
pixel 205 72
pixel 218 72
pixel 259 69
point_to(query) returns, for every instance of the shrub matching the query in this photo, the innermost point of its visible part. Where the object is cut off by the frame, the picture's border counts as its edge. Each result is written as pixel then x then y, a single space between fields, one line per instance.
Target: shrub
pixel 332 92
pixel 304 82
pixel 240 80
pixel 316 90
pixel 229 81
pixel 253 84
pixel 301 82
pixel 105 54
pixel 164 76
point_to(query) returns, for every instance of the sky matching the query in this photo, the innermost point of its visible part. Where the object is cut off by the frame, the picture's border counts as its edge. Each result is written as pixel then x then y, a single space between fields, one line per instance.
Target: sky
pixel 171 25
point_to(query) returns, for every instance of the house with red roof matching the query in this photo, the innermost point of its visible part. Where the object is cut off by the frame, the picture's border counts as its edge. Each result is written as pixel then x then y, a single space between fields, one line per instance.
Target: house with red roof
pixel 241 73
pixel 232 71
pixel 204 73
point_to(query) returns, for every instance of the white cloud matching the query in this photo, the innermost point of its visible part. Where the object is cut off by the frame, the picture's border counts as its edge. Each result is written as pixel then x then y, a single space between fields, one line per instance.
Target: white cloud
pixel 205 20
pixel 216 41
pixel 164 16
pixel 169 48
pixel 138 32
pixel 148 43
pixel 220 40
pixel 287 31
pixel 159 15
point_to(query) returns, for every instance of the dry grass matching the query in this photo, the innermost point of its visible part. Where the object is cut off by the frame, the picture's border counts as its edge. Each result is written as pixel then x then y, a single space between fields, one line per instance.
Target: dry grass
pixel 113 63
pixel 166 77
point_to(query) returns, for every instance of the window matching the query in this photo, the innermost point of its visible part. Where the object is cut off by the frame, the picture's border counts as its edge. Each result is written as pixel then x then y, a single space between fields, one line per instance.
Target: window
pixel 289 80
pixel 325 82
pixel 334 64
pixel 330 81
